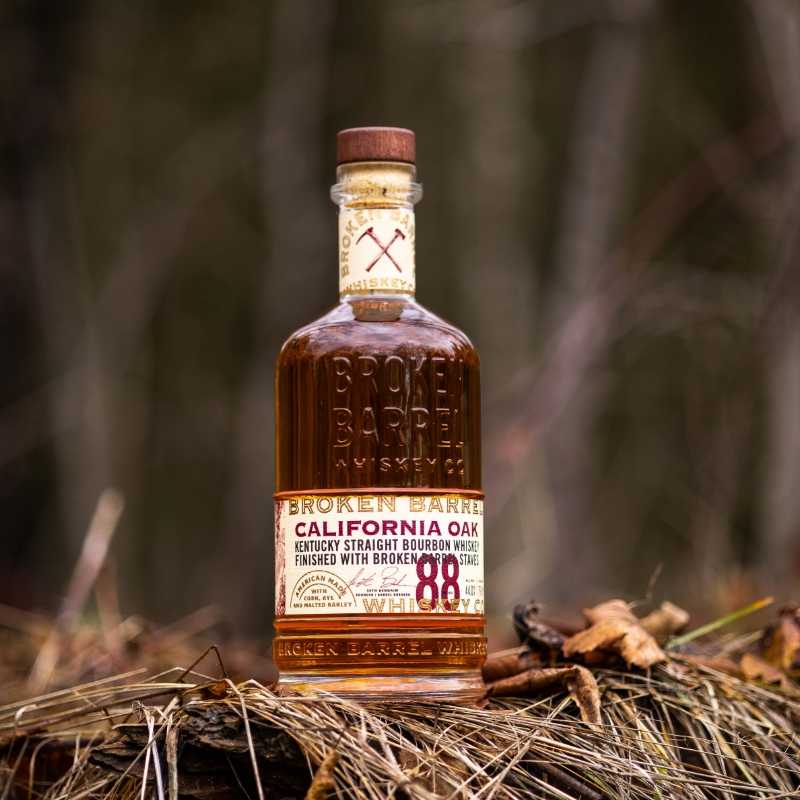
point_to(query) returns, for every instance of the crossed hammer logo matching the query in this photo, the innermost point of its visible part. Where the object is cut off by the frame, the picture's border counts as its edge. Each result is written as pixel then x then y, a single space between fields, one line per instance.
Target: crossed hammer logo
pixel 384 250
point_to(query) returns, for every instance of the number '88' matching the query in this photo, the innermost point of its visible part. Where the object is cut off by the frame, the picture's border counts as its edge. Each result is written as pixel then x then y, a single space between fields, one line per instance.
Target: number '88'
pixel 428 571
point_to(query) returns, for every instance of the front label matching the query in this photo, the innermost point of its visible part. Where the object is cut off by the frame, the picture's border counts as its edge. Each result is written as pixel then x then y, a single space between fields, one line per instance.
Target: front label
pixel 379 554
pixel 376 250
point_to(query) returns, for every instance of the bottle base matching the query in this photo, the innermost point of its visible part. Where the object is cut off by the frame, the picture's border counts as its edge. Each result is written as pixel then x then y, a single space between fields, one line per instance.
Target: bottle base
pixel 383 657
pixel 456 687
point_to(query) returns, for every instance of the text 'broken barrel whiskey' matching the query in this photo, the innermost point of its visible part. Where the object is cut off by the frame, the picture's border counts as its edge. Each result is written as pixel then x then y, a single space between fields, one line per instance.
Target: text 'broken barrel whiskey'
pixel 378 511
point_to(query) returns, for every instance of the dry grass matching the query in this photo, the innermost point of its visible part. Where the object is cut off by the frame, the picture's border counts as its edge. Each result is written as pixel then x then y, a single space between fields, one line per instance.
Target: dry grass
pixel 683 731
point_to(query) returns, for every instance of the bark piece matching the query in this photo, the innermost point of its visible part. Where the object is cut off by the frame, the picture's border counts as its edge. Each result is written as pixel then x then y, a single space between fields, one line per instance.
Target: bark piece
pixel 756 668
pixel 212 755
pixel 666 621
pixel 612 625
pixel 323 781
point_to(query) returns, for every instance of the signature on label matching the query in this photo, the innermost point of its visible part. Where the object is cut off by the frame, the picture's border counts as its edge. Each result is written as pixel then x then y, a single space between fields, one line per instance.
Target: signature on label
pixel 388 578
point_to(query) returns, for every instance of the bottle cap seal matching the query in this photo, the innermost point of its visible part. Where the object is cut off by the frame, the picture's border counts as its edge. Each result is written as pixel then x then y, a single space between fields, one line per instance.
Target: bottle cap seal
pixel 375 144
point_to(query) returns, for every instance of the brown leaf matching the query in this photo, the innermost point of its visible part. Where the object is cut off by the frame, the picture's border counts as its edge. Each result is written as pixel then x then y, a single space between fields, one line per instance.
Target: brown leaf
pixel 719 664
pixel 323 781
pixel 666 621
pixel 782 639
pixel 214 691
pixel 530 681
pixel 612 625
pixel 578 680
pixel 506 666
pixel 535 633
pixel 583 690
pixel 756 668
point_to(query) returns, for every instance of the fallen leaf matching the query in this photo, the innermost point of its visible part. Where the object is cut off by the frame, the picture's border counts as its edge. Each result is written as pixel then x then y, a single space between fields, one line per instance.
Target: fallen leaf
pixel 613 625
pixel 506 666
pixel 323 780
pixel 214 691
pixel 578 680
pixel 719 664
pixel 782 639
pixel 533 632
pixel 756 668
pixel 666 620
pixel 583 690
pixel 530 681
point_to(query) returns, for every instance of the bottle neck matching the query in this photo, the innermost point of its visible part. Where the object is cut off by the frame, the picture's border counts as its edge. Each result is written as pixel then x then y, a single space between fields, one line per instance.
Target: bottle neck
pixel 376 228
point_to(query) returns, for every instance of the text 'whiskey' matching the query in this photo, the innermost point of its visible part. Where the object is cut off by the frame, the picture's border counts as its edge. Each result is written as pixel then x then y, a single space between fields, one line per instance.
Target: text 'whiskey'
pixel 378 510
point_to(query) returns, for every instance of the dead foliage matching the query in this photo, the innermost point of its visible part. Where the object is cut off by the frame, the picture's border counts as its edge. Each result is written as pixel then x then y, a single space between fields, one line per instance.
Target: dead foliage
pixel 683 731
pixel 756 668
pixel 323 781
pixel 665 621
pixel 781 639
pixel 578 680
pixel 560 720
pixel 612 625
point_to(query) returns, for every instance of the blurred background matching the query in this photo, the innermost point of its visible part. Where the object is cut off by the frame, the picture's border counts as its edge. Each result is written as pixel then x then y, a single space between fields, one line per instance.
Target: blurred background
pixel 611 212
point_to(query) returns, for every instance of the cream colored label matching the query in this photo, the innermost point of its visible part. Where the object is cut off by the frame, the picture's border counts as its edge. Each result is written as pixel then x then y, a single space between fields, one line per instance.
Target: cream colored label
pixel 376 250
pixel 379 554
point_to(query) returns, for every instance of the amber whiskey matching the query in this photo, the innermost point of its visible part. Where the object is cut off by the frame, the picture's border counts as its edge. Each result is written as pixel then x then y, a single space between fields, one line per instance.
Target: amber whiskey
pixel 379 509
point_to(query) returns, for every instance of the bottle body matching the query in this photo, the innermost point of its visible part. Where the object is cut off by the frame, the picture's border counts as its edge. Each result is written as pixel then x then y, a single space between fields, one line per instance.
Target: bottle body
pixel 378 504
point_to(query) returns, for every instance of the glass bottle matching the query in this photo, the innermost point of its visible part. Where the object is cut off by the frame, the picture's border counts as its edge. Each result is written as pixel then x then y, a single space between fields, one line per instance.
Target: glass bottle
pixel 379 512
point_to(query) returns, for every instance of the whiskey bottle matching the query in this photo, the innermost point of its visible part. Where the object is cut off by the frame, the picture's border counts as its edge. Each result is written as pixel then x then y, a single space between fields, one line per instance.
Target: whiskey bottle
pixel 378 510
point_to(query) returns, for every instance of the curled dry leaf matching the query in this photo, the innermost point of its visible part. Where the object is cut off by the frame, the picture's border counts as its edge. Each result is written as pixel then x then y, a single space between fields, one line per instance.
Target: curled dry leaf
pixel 583 690
pixel 506 666
pixel 323 781
pixel 666 621
pixel 756 668
pixel 782 638
pixel 533 632
pixel 578 680
pixel 528 682
pixel 612 625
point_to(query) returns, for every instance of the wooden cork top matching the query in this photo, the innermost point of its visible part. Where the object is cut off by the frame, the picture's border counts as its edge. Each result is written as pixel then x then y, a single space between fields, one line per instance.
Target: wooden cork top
pixel 375 144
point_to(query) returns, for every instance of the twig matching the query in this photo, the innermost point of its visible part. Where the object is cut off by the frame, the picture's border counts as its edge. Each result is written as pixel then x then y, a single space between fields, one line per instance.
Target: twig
pixel 93 555
pixel 198 660
pixel 567 780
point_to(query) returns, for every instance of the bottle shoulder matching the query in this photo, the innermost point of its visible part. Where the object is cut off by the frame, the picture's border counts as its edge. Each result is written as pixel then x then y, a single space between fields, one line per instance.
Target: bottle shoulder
pixel 378 326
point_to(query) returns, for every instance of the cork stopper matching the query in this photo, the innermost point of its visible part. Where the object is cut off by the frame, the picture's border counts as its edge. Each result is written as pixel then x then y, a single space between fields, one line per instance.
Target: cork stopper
pixel 375 144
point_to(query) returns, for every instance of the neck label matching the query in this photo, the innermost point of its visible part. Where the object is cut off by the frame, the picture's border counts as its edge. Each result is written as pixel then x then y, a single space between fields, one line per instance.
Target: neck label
pixel 376 250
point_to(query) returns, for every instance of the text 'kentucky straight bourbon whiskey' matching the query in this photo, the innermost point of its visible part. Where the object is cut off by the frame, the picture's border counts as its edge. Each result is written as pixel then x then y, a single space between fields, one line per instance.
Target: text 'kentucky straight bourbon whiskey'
pixel 378 511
